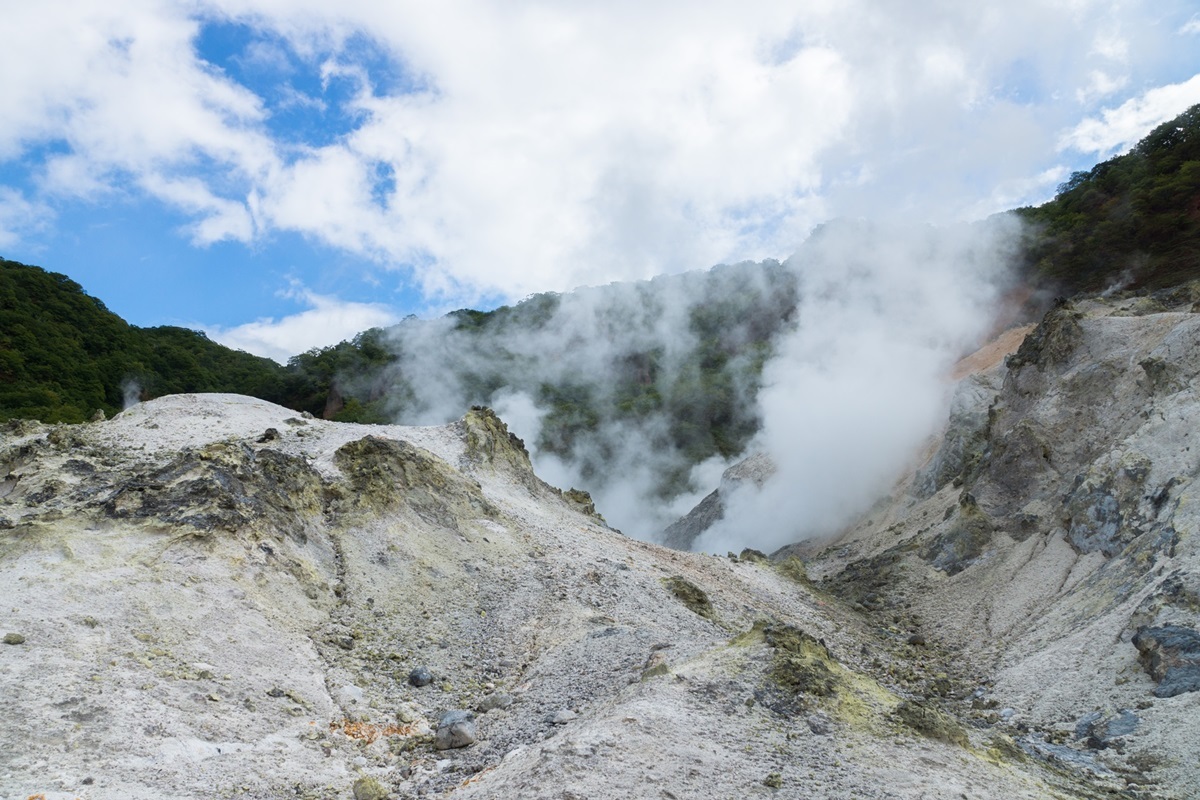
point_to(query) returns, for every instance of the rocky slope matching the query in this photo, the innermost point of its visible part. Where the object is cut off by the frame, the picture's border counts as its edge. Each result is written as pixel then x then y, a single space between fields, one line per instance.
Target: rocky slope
pixel 1050 543
pixel 208 596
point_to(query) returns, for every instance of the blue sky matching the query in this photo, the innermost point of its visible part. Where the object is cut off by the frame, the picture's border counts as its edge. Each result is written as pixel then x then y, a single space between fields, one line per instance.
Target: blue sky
pixel 284 174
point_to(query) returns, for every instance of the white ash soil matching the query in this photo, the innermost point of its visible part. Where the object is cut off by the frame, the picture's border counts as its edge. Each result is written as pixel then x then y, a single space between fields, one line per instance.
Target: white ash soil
pixel 211 612
pixel 1082 493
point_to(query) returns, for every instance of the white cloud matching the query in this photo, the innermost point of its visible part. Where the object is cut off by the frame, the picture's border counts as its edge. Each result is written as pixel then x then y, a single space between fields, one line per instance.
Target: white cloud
pixel 1192 26
pixel 219 219
pixel 1011 194
pixel 1118 129
pixel 539 145
pixel 19 216
pixel 327 321
pixel 1100 84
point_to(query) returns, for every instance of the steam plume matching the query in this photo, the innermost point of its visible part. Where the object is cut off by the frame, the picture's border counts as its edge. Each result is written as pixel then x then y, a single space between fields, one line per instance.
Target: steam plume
pixel 884 311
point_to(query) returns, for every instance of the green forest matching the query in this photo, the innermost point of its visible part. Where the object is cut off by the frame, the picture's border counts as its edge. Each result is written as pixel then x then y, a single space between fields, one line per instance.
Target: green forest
pixel 1132 222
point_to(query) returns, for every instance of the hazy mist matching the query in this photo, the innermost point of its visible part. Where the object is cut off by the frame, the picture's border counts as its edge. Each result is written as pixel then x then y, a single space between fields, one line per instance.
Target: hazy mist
pixel 854 335
pixel 884 311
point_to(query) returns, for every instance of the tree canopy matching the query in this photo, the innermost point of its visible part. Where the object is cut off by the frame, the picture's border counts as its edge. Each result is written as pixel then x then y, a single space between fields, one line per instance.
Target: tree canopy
pixel 1132 221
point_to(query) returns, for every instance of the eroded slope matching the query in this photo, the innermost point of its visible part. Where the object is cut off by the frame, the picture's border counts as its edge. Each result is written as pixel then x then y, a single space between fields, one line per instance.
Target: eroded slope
pixel 1051 543
pixel 210 597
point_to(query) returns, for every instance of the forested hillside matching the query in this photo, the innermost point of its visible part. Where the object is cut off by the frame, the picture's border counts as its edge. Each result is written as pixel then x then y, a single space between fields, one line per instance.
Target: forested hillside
pixel 608 354
pixel 63 355
pixel 1130 222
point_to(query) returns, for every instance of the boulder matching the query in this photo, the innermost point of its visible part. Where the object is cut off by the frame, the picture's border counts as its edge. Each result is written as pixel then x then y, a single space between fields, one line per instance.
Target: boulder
pixel 455 729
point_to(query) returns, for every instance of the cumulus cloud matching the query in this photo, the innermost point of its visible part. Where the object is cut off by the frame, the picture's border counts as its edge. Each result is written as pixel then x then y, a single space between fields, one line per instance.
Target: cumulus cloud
pixel 499 149
pixel 326 320
pixel 1118 129
pixel 18 216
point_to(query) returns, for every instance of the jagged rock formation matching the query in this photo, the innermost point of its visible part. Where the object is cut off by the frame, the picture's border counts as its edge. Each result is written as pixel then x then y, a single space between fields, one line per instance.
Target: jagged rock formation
pixel 682 533
pixel 1050 542
pixel 208 596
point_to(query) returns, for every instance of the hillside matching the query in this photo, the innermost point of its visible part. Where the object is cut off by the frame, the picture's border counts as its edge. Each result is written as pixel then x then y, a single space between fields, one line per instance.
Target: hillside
pixel 678 358
pixel 64 355
pixel 1130 222
pixel 331 610
pixel 675 363
pixel 1050 541
pixel 210 596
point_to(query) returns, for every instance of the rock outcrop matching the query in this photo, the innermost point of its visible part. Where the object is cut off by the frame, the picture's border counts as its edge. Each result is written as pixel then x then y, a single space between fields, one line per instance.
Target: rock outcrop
pixel 684 532
pixel 1050 543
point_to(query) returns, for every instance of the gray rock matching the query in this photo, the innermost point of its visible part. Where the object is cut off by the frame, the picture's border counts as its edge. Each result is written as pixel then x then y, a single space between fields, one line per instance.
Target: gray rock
pixel 1096 519
pixel 369 789
pixel 1171 655
pixel 965 438
pixel 963 541
pixel 820 724
pixel 561 717
pixel 682 534
pixel 1052 342
pixel 455 729
pixel 1098 730
pixel 14 638
pixel 1123 724
pixel 494 701
pixel 421 676
pixel 1086 723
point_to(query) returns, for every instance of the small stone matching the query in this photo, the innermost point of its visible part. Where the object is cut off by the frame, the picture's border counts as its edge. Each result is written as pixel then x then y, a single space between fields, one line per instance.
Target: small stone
pixel 455 729
pixel 276 692
pixel 369 789
pixel 657 671
pixel 494 701
pixel 98 415
pixel 561 717
pixel 14 638
pixel 917 639
pixel 820 724
pixel 421 676
pixel 773 781
pixel 269 435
